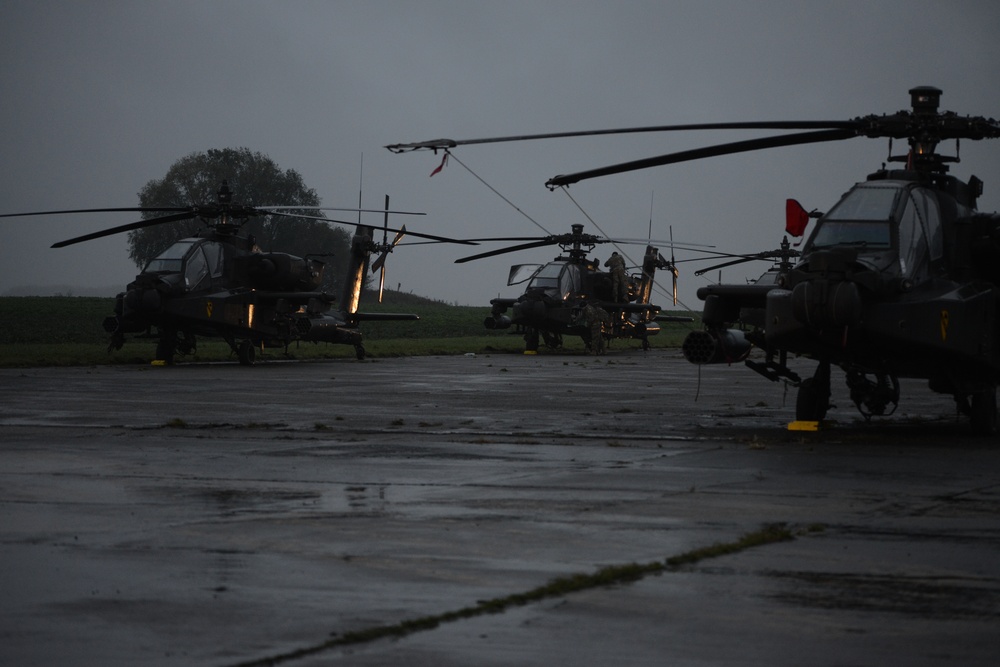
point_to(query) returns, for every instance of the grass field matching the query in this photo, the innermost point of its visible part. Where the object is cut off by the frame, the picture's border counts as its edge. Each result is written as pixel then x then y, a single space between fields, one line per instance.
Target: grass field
pixel 67 331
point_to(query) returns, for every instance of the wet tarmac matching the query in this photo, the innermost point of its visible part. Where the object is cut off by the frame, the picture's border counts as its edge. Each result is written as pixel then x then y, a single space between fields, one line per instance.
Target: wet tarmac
pixel 487 510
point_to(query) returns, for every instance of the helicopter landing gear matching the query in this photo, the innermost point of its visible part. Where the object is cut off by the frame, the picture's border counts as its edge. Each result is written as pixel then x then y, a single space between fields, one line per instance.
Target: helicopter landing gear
pixel 531 341
pixel 359 352
pixel 645 344
pixel 246 352
pixel 981 406
pixel 552 339
pixel 873 398
pixel 813 399
pixel 983 411
pixel 116 343
pixel 166 346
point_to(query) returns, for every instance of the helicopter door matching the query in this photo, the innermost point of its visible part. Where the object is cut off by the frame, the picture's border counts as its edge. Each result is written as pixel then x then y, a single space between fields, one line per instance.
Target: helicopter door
pixel 920 235
pixel 569 281
pixel 215 254
pixel 195 268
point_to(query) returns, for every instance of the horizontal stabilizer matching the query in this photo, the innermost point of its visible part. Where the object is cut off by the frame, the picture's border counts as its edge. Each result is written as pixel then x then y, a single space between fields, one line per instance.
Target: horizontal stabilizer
pixel 383 317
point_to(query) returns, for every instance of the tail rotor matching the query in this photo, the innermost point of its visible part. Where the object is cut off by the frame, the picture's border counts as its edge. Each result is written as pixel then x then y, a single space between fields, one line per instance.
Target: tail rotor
pixel 385 248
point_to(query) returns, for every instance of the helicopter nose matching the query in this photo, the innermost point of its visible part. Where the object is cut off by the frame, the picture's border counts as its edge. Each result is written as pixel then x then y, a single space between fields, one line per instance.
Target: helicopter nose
pixel 529 311
pixel 142 300
pixel 822 303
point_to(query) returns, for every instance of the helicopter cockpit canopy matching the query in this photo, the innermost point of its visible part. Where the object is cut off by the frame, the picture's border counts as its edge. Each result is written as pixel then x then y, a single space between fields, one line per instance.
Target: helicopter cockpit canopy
pixel 193 258
pixel 557 280
pixel 871 216
pixel 520 273
pixel 861 218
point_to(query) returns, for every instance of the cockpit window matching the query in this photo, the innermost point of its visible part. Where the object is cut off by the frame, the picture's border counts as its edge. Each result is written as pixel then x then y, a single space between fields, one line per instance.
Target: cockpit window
pixel 569 280
pixel 170 259
pixel 215 254
pixel 559 279
pixel 547 276
pixel 522 272
pixel 195 268
pixel 864 234
pixel 866 203
pixel 861 218
pixel 920 235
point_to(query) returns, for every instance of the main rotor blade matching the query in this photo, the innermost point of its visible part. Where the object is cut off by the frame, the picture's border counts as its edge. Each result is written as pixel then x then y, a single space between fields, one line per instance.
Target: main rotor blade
pixel 326 208
pixel 443 239
pixel 127 228
pixel 501 251
pixel 436 144
pixel 734 262
pixel 568 239
pixel 515 238
pixel 168 209
pixel 740 259
pixel 139 209
pixel 708 151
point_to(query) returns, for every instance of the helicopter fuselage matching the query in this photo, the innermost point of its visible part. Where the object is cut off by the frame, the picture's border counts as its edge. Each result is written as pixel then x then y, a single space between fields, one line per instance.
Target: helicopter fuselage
pixel 557 293
pixel 897 280
pixel 221 286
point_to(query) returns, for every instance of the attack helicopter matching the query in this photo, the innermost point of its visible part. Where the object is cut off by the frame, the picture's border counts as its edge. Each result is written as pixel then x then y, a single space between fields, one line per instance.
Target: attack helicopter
pixel 899 279
pixel 558 292
pixel 218 283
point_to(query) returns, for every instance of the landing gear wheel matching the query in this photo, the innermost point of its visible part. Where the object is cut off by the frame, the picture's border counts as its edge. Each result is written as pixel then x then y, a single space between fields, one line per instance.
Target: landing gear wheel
pixel 165 348
pixel 813 399
pixel 359 352
pixel 983 412
pixel 247 353
pixel 531 341
pixel 116 342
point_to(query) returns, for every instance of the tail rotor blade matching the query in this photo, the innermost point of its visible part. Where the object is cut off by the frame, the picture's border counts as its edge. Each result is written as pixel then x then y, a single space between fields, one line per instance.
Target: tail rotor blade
pixel 399 236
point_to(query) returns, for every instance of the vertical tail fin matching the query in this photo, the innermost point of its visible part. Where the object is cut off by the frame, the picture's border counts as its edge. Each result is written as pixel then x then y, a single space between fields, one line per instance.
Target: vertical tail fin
pixel 650 261
pixel 357 268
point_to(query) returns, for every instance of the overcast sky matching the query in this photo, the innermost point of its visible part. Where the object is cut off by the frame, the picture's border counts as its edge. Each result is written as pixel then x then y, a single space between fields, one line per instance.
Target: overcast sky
pixel 101 97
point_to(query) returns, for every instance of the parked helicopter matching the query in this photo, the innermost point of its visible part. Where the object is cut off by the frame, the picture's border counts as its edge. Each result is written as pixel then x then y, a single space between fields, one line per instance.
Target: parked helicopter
pixel 558 292
pixel 218 283
pixel 898 279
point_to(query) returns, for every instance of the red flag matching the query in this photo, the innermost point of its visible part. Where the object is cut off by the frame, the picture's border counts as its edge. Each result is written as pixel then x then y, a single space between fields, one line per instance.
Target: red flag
pixel 796 218
pixel 444 161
